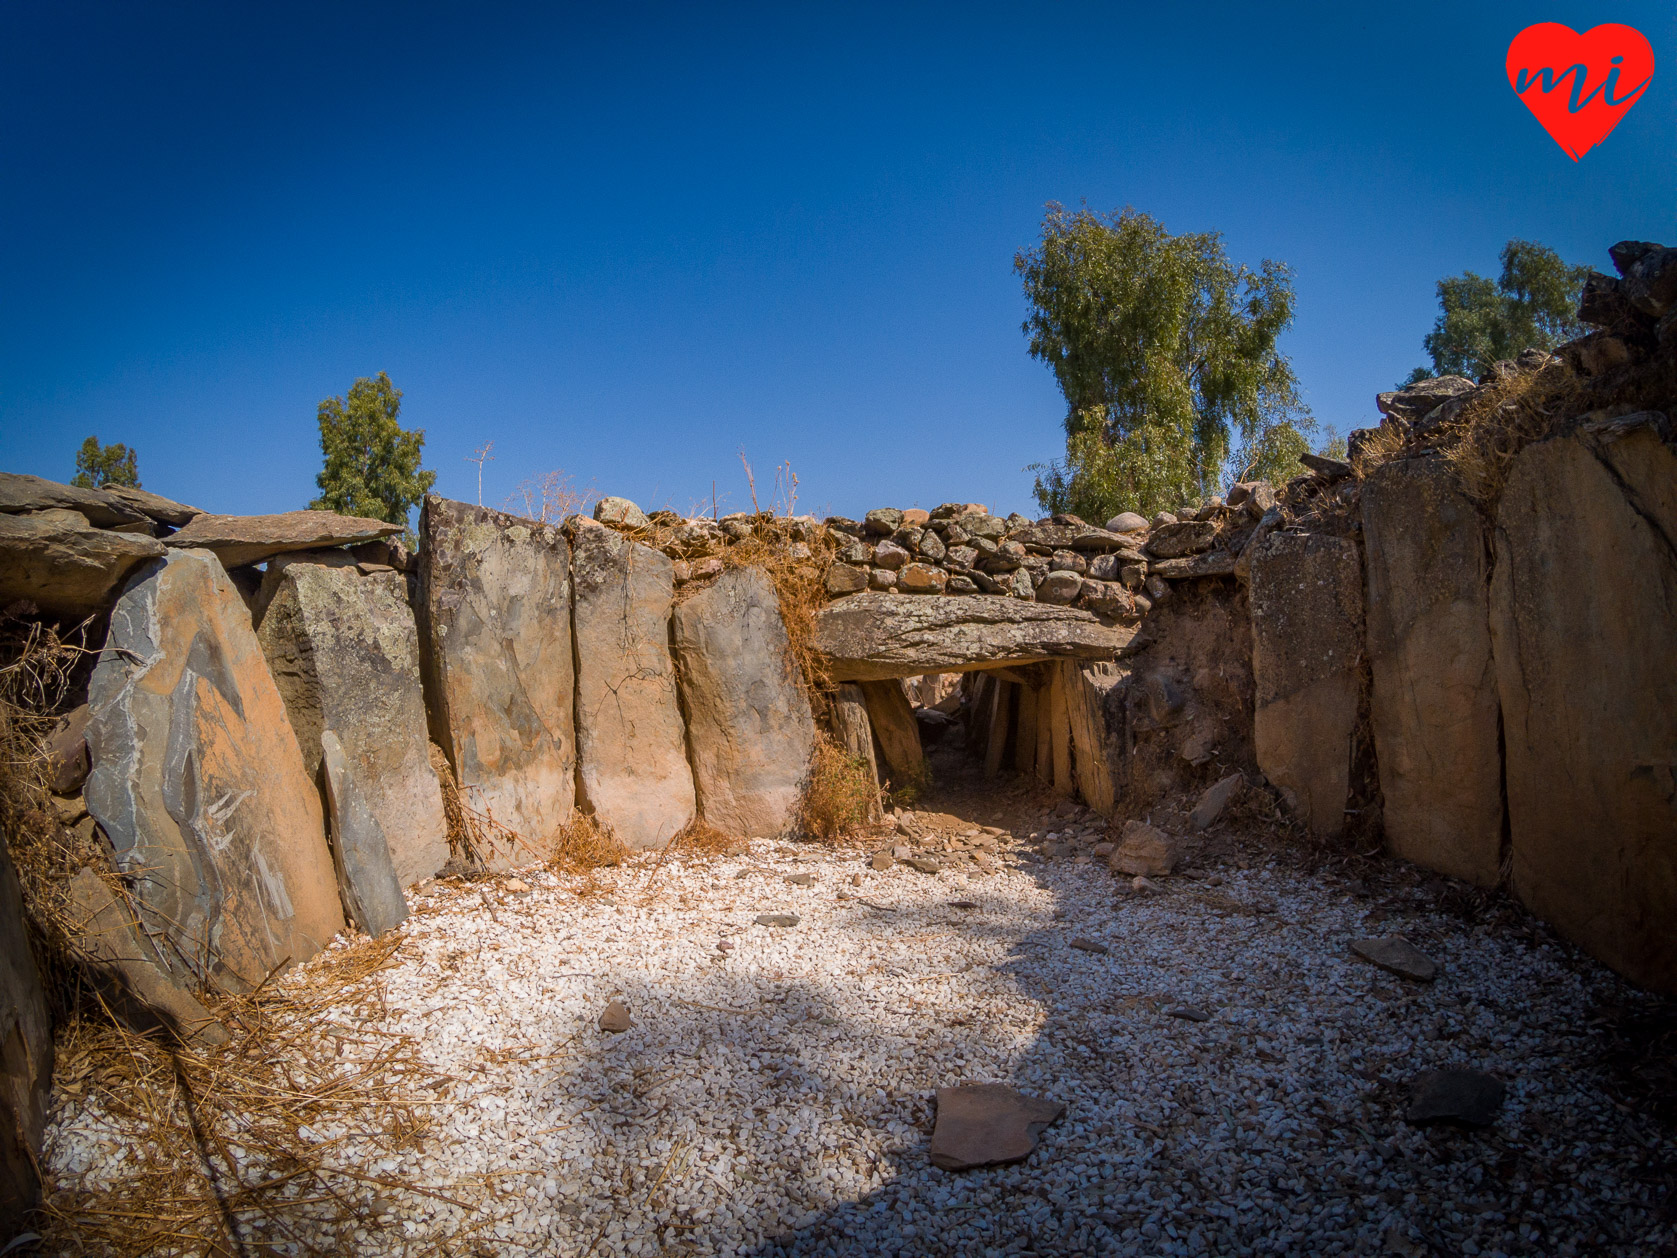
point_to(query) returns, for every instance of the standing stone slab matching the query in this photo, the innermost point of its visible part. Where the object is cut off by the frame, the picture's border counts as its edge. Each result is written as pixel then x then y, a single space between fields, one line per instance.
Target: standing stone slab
pixel 749 727
pixel 897 731
pixel 853 728
pixel 344 653
pixel 495 649
pixel 1087 686
pixel 1307 629
pixel 199 784
pixel 1434 703
pixel 1001 718
pixel 1584 622
pixel 367 879
pixel 634 774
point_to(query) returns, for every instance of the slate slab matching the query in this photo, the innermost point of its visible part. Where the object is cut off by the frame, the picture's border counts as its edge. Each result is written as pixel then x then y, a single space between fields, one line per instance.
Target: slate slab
pixel 987 1124
pixel 1397 955
pixel 1470 1097
pixel 367 880
pixel 243 539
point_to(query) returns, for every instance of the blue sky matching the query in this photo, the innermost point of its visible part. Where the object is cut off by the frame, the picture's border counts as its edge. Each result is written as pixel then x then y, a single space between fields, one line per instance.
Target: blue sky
pixel 629 244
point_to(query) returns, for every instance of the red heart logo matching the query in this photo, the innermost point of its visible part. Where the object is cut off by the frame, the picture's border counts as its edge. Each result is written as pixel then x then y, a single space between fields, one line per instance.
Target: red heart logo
pixel 1579 86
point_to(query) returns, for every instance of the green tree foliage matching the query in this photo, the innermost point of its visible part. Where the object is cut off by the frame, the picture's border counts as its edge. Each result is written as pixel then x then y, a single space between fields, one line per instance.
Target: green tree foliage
pixel 1532 305
pixel 97 465
pixel 1165 351
pixel 372 463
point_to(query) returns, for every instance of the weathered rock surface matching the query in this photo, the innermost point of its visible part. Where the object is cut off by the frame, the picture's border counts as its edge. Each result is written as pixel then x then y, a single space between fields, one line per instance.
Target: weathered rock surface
pixel 875 635
pixel 854 730
pixel 199 784
pixel 1434 702
pixel 1307 627
pixel 20 492
pixel 1214 800
pixel 242 539
pixel 131 976
pixel 1471 1097
pixel 344 652
pixel 367 881
pixel 749 727
pixel 65 569
pixel 621 512
pixel 152 506
pixel 495 644
pixel 896 729
pixel 987 1124
pixel 1396 955
pixel 1583 619
pixel 1188 537
pixel 1146 851
pixel 1211 563
pixel 26 1064
pixel 1087 686
pixel 632 751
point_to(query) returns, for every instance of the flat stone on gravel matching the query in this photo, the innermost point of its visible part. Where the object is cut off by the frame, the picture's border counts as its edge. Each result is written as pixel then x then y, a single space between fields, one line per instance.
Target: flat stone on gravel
pixel 1397 955
pixel 882 861
pixel 925 864
pixel 801 880
pixel 1461 1096
pixel 1188 1013
pixel 615 1018
pixel 1089 945
pixel 777 919
pixel 987 1124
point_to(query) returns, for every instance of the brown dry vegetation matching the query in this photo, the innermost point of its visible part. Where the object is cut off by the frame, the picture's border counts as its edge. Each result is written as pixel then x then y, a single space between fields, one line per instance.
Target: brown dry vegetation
pixel 841 795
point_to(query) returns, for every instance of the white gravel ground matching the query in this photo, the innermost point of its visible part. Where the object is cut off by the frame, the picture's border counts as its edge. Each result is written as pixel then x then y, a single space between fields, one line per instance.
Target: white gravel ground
pixel 776 1097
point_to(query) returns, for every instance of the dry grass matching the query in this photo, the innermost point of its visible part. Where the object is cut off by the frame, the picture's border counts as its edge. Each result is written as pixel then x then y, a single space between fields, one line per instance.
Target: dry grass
pixel 550 497
pixel 215 1157
pixel 841 796
pixel 1482 442
pixel 582 845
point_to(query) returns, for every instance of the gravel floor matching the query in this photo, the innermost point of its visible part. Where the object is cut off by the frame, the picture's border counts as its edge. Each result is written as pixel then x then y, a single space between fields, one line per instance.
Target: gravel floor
pixel 775 1097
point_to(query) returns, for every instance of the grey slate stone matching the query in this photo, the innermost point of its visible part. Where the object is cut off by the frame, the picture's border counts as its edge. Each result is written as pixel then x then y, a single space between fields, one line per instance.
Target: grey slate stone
pixel 360 853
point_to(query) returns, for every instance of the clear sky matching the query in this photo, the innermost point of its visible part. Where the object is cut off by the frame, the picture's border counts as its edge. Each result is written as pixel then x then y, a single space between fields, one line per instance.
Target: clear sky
pixel 628 241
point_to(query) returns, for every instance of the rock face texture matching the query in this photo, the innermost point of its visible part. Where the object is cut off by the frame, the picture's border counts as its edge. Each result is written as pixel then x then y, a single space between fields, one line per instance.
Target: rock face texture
pixel 64 565
pixel 1434 701
pixel 495 646
pixel 344 653
pixel 874 636
pixel 897 731
pixel 19 492
pixel 367 880
pixel 25 1059
pixel 199 784
pixel 633 774
pixel 131 977
pixel 1584 621
pixel 242 539
pixel 749 727
pixel 1307 629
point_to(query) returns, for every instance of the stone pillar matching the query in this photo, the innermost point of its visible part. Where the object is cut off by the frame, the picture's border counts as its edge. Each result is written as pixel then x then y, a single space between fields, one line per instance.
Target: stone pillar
pixel 897 730
pixel 634 774
pixel 1584 629
pixel 198 781
pixel 749 729
pixel 344 653
pixel 495 598
pixel 1434 701
pixel 1307 633
pixel 1001 713
pixel 1086 689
